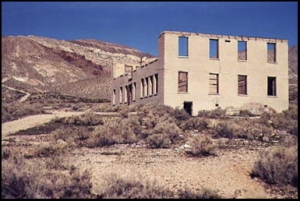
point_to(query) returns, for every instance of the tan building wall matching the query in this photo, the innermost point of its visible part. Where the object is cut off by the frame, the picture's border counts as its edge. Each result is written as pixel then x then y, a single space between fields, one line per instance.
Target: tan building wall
pixel 199 65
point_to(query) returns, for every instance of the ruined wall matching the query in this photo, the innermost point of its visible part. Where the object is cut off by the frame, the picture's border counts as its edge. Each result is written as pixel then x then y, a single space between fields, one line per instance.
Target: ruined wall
pixel 228 67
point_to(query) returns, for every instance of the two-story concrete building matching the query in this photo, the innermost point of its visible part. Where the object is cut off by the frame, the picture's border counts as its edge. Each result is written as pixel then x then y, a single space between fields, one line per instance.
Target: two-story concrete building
pixel 198 71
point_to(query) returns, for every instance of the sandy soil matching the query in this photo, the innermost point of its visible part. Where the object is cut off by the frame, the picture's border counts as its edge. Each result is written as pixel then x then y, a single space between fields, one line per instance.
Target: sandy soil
pixel 228 172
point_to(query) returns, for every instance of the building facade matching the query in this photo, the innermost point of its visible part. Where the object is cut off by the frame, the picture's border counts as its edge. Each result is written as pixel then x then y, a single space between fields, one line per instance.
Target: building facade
pixel 202 72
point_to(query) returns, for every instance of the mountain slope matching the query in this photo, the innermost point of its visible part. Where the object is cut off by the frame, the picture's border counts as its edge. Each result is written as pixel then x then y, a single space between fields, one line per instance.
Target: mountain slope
pixel 80 67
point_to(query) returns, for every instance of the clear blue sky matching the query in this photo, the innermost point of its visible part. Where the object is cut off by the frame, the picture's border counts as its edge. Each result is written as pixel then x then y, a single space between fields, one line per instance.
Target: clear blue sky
pixel 138 24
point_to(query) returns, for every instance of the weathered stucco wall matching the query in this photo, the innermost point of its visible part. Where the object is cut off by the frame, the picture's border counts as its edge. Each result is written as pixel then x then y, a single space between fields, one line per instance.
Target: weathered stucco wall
pixel 199 65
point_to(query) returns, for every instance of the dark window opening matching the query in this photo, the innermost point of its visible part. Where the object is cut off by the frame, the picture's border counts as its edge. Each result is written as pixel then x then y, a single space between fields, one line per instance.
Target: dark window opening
pixel 242 50
pixel 121 95
pixel 271 86
pixel 242 84
pixel 188 107
pixel 213 48
pixel 183 46
pixel 213 83
pixel 142 88
pixel 182 81
pixel 129 94
pixel 272 52
pixel 114 97
pixel 156 81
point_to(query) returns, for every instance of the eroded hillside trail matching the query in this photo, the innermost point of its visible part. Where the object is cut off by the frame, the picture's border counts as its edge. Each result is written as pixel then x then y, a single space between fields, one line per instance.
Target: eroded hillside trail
pixel 24 98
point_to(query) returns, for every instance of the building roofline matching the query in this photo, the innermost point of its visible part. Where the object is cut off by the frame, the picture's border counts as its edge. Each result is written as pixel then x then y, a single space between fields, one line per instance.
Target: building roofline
pixel 221 36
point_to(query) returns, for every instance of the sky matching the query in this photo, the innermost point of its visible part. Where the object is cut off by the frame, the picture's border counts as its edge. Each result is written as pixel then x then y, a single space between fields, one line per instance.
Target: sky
pixel 138 24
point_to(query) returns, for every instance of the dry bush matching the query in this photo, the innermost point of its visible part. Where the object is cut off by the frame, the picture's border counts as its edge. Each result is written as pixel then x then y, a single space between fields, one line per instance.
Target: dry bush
pixel 52 149
pixel 202 145
pixel 223 129
pixel 246 113
pixel 205 193
pixel 34 179
pixel 287 120
pixel 151 114
pixel 196 123
pixel 87 119
pixel 164 135
pixel 213 114
pixel 114 131
pixel 180 114
pixel 73 135
pixel 132 188
pixel 278 165
pixel 13 111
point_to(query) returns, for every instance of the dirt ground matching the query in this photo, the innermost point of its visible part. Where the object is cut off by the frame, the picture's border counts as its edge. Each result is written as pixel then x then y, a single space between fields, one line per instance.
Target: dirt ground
pixel 228 172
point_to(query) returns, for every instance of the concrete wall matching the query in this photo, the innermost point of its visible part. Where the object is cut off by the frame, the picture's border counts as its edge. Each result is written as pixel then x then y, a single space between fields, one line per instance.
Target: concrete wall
pixel 227 66
pixel 143 72
pixel 199 65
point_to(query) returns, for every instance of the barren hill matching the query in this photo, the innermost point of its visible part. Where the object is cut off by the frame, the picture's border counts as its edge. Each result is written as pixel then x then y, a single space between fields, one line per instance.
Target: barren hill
pixel 80 68
pixel 293 64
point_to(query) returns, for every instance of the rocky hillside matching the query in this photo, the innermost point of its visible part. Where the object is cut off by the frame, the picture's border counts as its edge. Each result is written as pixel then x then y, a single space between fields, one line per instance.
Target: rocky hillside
pixel 293 64
pixel 80 68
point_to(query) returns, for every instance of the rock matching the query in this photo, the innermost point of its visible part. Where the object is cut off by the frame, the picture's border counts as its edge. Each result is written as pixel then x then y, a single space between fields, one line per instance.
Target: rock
pixel 266 139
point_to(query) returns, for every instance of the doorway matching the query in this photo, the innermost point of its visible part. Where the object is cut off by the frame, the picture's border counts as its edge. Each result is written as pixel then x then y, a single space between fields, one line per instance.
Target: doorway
pixel 188 107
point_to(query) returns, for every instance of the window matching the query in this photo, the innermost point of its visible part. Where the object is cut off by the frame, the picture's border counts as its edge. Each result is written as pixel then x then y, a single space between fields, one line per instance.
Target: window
pixel 146 87
pixel 213 83
pixel 134 91
pixel 242 84
pixel 242 50
pixel 129 70
pixel 183 46
pixel 272 52
pixel 142 88
pixel 156 83
pixel 125 94
pixel 182 81
pixel 114 97
pixel 121 95
pixel 213 48
pixel 271 86
pixel 150 85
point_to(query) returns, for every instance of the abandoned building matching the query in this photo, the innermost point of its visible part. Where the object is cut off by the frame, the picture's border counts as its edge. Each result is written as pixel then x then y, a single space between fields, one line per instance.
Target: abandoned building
pixel 198 71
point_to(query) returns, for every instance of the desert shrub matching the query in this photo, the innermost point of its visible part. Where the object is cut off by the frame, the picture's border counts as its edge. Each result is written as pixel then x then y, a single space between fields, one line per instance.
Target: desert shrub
pixel 202 145
pixel 287 120
pixel 164 135
pixel 180 114
pixel 15 110
pixel 73 135
pixel 5 153
pixel 114 131
pixel 246 113
pixel 132 188
pixel 22 179
pixel 52 149
pixel 158 141
pixel 213 114
pixel 151 114
pixel 196 123
pixel 223 129
pixel 205 193
pixel 278 165
pixel 87 119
